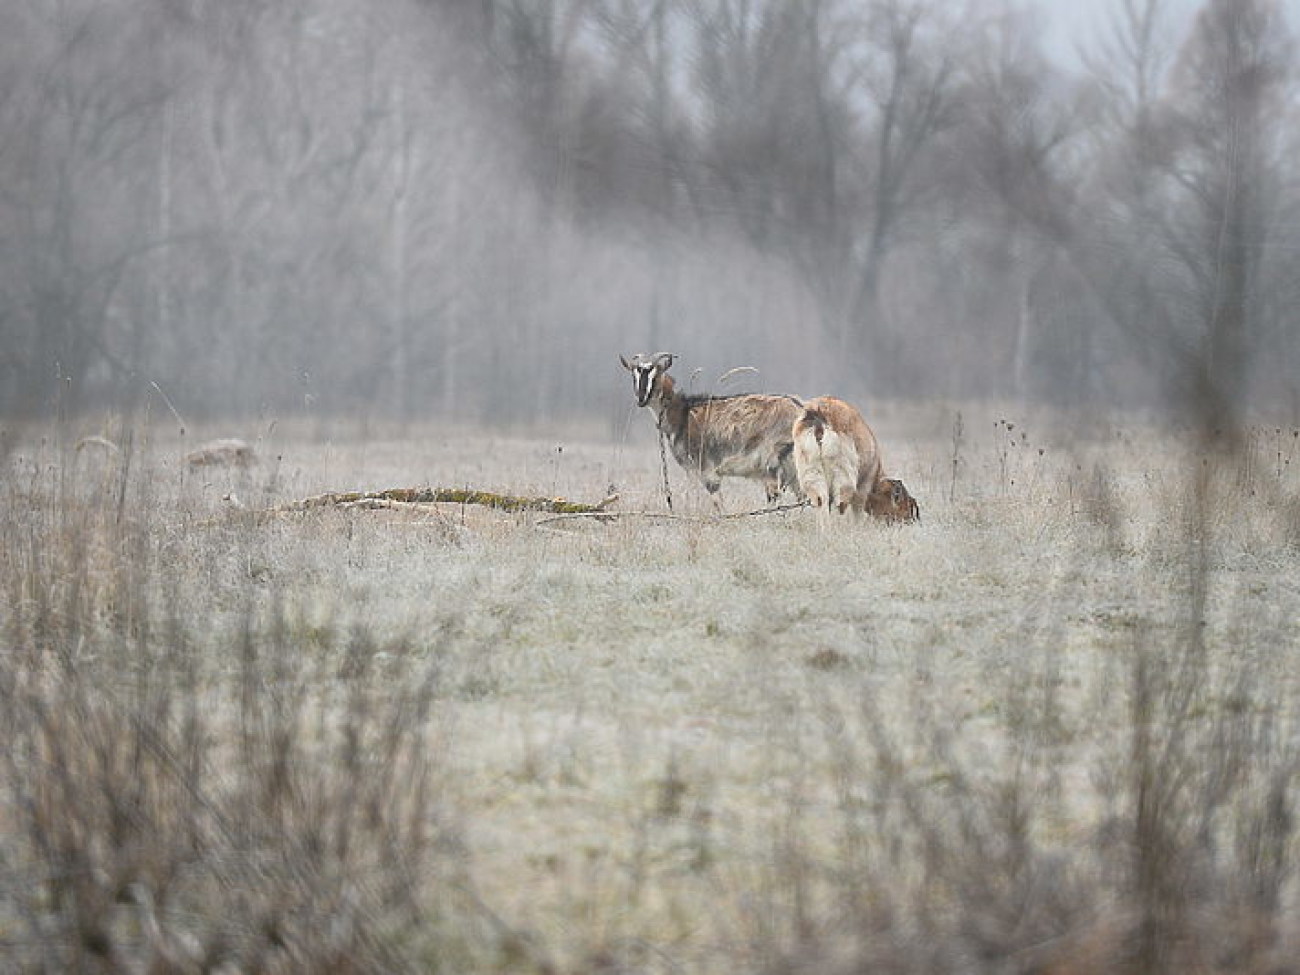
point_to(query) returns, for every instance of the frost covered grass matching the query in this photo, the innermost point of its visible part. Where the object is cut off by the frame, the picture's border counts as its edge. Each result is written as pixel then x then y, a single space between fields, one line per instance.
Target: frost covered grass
pixel 1052 728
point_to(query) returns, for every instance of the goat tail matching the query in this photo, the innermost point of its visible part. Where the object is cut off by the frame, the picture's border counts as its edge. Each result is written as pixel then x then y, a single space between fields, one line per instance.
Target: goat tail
pixel 809 463
pixel 813 421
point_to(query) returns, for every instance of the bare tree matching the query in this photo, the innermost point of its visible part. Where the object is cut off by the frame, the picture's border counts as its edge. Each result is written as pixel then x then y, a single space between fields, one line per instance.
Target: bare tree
pixel 909 73
pixel 72 228
pixel 1187 171
pixel 820 118
pixel 265 206
pixel 1231 90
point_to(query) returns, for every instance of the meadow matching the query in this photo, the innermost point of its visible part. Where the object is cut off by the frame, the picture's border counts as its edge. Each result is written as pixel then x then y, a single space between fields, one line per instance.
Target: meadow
pixel 1051 728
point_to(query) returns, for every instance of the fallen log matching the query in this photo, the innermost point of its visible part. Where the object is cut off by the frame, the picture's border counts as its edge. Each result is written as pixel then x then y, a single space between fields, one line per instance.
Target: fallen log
pixel 502 502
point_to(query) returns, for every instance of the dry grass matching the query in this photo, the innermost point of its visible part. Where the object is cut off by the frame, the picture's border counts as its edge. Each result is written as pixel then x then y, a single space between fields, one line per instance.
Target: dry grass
pixel 1053 728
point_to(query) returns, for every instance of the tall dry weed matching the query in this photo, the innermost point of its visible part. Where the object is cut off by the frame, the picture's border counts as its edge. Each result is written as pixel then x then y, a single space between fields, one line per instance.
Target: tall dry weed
pixel 183 795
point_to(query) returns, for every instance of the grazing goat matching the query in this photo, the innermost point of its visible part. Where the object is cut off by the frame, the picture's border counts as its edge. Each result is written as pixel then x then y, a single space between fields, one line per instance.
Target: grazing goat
pixel 720 436
pixel 837 461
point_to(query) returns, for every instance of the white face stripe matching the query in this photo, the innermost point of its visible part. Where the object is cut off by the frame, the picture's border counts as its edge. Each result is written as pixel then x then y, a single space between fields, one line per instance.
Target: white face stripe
pixel 643 382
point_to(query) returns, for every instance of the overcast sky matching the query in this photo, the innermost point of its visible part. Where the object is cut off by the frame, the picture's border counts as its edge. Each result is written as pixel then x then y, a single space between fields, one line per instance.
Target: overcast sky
pixel 1071 23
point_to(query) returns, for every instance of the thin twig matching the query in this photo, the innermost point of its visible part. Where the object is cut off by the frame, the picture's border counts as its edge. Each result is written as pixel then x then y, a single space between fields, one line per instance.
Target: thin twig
pixel 667 516
pixel 773 510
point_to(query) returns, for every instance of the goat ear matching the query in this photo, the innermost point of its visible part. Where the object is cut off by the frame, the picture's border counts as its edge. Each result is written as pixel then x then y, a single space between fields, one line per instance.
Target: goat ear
pixel 665 359
pixel 626 365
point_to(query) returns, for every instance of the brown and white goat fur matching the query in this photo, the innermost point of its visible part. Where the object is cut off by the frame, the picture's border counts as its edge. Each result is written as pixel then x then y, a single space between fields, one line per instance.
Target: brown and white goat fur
pixel 714 437
pixel 837 461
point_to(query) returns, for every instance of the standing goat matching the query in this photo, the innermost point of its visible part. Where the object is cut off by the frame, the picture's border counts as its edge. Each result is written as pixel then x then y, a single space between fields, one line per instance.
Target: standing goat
pixel 720 436
pixel 837 461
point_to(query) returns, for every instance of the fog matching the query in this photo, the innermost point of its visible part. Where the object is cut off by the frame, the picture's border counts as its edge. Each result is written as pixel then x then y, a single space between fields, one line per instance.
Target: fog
pixel 467 209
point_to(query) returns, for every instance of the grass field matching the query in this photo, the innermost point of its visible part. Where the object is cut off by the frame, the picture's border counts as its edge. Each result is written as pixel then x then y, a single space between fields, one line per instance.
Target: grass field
pixel 1051 728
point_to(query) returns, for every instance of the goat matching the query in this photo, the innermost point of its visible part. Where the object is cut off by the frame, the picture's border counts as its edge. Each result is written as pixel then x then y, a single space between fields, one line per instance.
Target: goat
pixel 837 461
pixel 720 436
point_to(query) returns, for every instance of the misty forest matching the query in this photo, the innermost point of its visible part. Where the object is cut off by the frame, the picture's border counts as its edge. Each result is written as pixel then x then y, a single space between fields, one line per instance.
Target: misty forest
pixel 351 621
pixel 420 208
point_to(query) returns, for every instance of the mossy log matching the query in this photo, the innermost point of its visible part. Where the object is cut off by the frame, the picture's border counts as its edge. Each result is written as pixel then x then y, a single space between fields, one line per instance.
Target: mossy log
pixel 502 502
